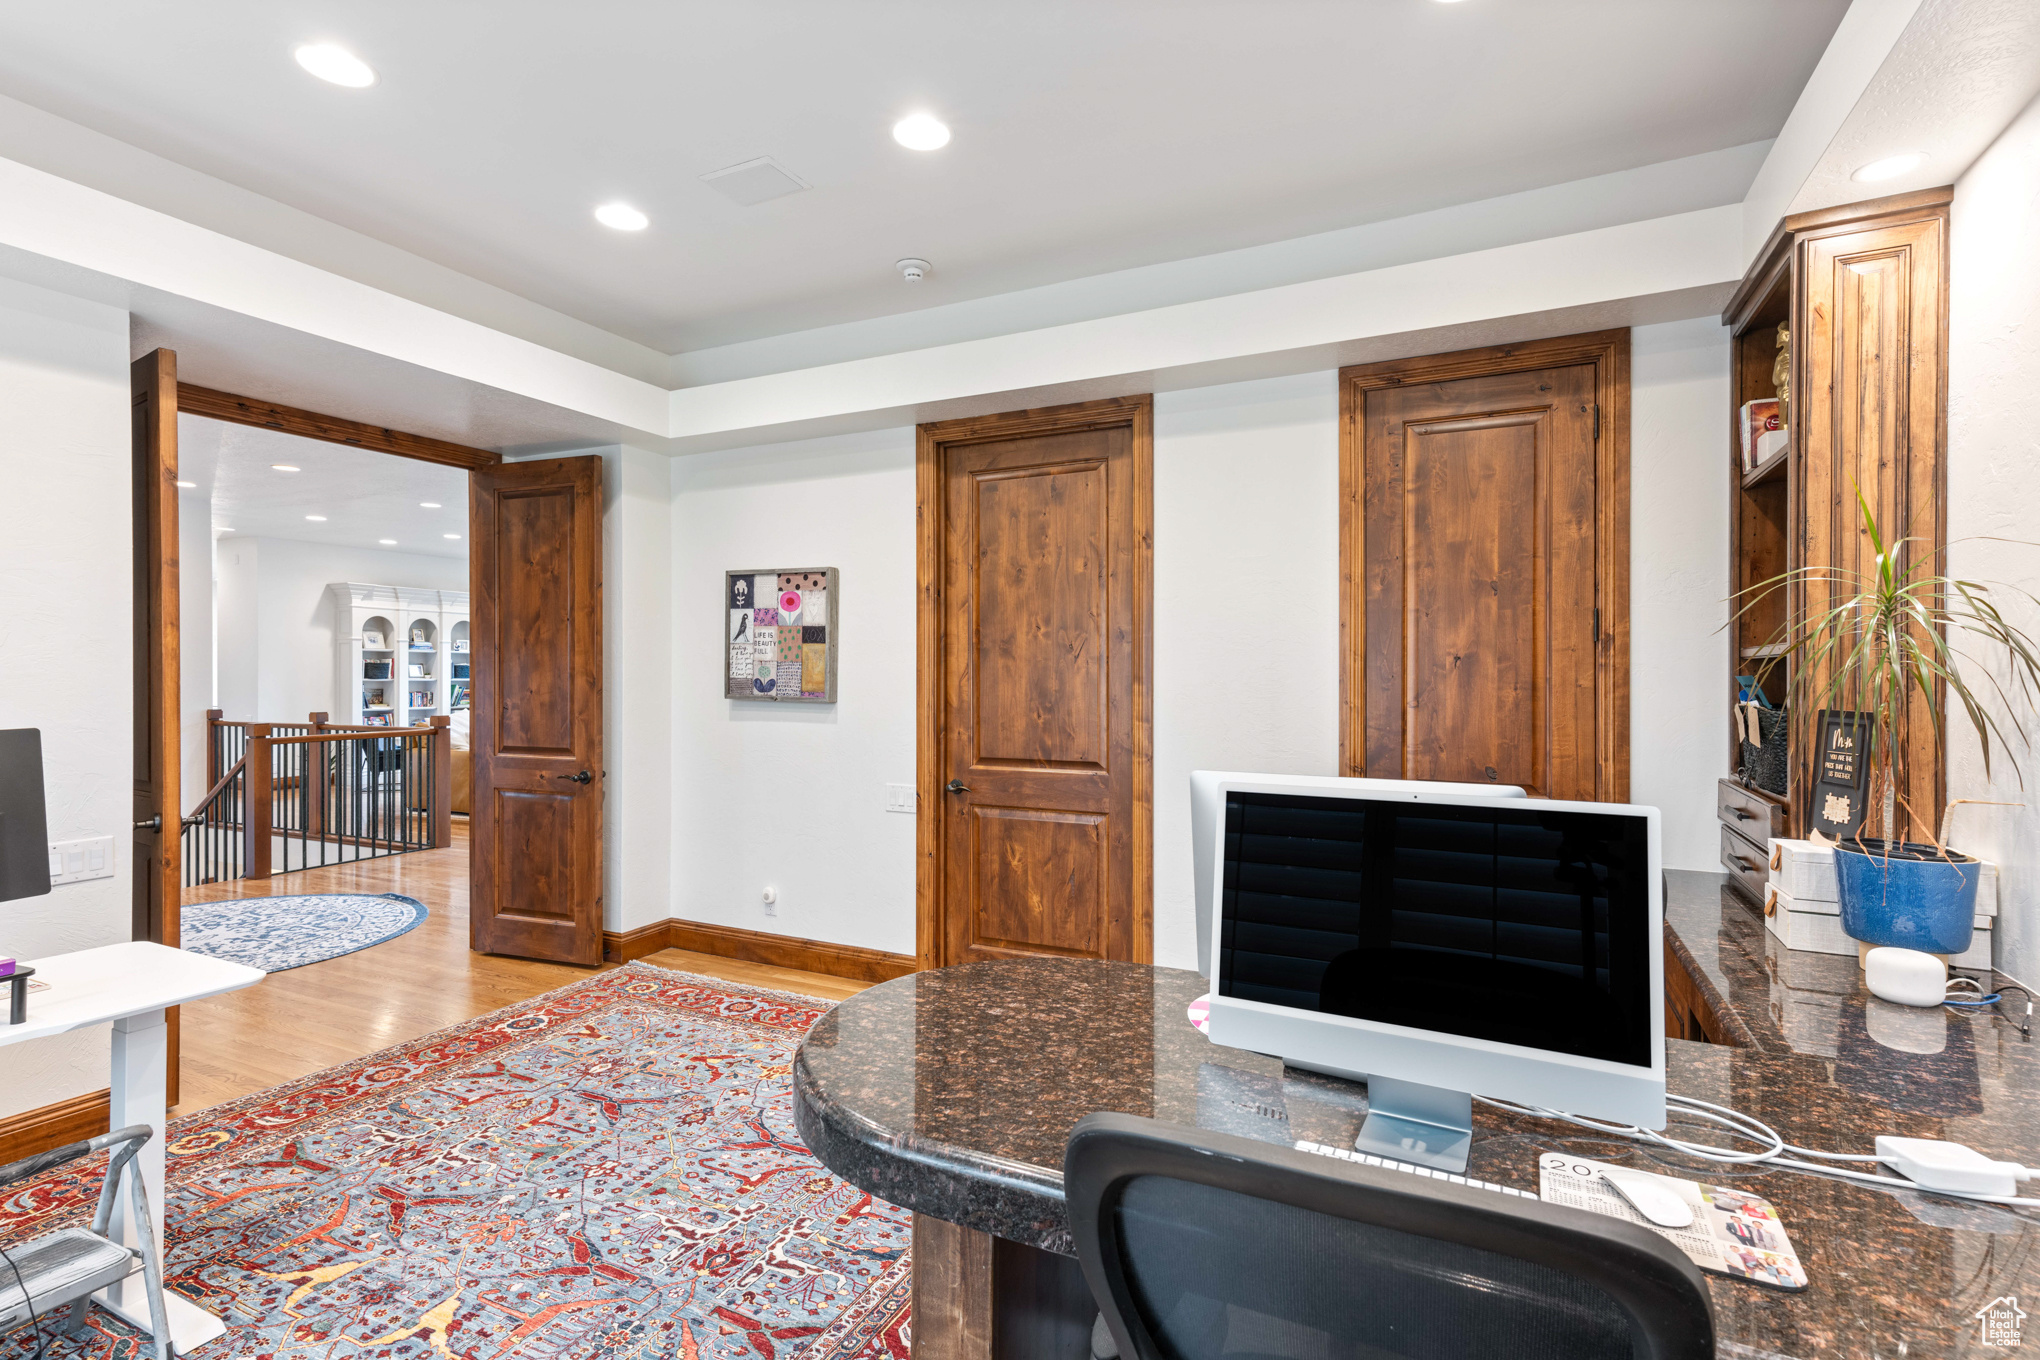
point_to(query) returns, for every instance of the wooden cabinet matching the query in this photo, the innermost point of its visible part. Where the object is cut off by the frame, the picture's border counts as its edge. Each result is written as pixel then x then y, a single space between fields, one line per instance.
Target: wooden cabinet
pixel 1687 1014
pixel 1862 294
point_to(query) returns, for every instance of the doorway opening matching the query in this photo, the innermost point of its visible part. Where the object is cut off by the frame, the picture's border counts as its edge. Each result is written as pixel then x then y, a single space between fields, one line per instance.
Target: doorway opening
pixel 324 614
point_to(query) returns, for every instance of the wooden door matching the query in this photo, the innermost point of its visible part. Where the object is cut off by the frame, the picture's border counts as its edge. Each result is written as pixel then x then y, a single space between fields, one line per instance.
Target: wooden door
pixel 157 753
pixel 1035 776
pixel 1476 541
pixel 535 536
pixel 1870 387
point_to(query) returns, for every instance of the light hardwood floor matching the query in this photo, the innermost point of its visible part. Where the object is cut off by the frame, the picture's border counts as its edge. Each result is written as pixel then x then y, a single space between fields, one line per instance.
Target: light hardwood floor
pixel 294 1023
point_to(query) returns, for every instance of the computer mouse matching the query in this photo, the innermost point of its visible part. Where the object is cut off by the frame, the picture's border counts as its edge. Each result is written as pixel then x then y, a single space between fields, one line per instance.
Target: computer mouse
pixel 1651 1198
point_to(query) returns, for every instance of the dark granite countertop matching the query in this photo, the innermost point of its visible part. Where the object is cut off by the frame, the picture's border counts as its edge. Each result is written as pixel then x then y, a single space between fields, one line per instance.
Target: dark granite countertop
pixel 951 1093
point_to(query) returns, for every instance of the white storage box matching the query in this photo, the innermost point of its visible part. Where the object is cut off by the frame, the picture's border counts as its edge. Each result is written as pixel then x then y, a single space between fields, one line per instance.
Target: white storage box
pixel 1820 932
pixel 1806 872
pixel 1803 869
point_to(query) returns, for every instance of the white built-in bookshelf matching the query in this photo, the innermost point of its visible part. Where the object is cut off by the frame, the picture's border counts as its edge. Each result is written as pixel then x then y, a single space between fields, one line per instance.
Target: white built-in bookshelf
pixel 400 653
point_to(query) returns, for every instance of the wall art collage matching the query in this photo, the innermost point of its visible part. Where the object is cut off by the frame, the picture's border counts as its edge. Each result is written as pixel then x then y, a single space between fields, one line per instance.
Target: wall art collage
pixel 779 635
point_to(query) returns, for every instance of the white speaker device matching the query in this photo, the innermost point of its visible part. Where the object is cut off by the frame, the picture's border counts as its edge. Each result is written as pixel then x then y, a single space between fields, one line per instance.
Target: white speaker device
pixel 1906 976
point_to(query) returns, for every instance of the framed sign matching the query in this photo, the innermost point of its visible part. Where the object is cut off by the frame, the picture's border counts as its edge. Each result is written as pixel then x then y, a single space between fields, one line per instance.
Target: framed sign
pixel 1841 772
pixel 779 635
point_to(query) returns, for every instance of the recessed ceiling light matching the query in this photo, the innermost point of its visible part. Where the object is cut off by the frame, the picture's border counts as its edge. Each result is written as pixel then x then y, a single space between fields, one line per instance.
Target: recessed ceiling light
pixel 316 519
pixel 387 542
pixel 189 486
pixel 1891 167
pixel 622 217
pixel 428 505
pixel 283 467
pixel 921 132
pixel 453 535
pixel 334 63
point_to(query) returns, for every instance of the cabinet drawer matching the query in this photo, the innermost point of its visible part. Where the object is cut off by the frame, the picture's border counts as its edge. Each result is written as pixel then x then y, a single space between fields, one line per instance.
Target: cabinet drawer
pixel 1745 863
pixel 1749 812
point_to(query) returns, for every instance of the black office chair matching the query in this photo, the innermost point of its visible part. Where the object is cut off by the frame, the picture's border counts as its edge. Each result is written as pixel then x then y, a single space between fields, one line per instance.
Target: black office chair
pixel 1201 1246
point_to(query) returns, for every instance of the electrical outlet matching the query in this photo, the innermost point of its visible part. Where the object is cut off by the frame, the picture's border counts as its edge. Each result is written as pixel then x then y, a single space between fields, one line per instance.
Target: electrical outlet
pixel 772 901
pixel 76 861
pixel 899 798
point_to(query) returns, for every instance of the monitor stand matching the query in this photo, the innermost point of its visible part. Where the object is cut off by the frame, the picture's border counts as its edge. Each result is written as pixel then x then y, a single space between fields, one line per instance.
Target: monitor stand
pixel 1422 1125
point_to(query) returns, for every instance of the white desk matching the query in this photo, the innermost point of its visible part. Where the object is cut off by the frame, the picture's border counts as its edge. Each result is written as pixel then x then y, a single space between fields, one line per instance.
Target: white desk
pixel 131 985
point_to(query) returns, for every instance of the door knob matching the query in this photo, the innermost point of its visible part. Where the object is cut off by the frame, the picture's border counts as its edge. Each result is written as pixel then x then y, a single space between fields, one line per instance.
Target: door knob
pixel 957 786
pixel 582 778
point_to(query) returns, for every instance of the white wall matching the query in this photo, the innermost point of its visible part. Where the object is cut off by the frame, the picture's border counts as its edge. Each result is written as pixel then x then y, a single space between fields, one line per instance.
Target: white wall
pixel 66 664
pixel 792 795
pixel 637 692
pixel 275 618
pixel 195 637
pixel 1678 581
pixel 1246 615
pixel 1994 490
pixel 1246 513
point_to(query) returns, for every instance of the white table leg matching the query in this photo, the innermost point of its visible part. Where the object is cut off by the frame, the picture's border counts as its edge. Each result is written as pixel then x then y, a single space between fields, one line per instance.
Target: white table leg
pixel 140 1092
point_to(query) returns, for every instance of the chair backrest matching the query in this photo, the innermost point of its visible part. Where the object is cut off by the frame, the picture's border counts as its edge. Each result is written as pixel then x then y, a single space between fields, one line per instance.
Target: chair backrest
pixel 1202 1246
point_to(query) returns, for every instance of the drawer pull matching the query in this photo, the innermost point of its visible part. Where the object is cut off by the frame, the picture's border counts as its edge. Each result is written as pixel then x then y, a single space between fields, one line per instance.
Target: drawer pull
pixel 1746 865
pixel 1740 815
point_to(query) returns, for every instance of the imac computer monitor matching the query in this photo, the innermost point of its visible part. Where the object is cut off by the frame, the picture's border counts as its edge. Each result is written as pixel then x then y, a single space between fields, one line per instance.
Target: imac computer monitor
pixel 1443 945
pixel 24 829
pixel 1207 810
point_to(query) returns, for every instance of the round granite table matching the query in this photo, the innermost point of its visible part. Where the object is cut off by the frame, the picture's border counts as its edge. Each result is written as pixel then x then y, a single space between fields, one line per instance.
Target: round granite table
pixel 952 1092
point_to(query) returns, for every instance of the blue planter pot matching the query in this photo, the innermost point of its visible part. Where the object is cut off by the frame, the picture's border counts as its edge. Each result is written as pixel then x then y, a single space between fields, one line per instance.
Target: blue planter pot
pixel 1926 903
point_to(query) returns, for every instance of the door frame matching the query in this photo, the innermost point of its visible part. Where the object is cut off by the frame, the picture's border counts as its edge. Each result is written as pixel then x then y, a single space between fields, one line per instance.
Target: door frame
pixel 932 443
pixel 1608 352
pixel 158 623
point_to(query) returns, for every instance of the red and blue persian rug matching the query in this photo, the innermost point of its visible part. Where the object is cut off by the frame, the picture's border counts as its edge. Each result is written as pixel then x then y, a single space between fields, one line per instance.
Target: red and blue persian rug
pixel 608 1170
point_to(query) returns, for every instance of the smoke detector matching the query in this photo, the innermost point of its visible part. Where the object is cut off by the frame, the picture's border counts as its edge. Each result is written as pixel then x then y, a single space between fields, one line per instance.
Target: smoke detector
pixel 912 270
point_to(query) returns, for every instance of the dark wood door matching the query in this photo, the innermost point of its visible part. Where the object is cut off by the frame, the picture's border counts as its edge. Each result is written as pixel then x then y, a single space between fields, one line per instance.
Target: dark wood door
pixel 1035 768
pixel 1479 571
pixel 535 534
pixel 157 793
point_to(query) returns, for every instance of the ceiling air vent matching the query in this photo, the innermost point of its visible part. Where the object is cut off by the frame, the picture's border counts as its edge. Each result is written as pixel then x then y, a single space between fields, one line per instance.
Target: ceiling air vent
pixel 755 181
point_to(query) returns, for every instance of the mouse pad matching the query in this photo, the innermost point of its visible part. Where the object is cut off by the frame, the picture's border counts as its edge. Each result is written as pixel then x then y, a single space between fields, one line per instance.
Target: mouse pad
pixel 1732 1232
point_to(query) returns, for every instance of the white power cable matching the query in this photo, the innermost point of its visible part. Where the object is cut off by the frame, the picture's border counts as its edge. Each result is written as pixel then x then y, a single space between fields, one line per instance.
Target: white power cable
pixel 1741 1125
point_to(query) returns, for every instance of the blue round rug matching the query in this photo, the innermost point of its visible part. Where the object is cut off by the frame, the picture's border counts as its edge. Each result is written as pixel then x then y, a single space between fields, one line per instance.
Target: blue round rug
pixel 275 933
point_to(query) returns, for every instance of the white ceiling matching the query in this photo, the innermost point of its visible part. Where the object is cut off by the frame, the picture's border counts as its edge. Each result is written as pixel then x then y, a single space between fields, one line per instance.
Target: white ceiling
pixel 364 496
pixel 1089 137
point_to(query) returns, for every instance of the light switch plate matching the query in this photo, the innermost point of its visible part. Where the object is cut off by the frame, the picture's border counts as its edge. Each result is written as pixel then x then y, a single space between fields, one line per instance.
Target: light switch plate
pixel 899 798
pixel 76 861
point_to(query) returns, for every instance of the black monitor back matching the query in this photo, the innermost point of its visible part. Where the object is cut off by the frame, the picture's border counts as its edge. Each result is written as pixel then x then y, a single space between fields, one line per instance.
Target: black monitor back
pixel 24 820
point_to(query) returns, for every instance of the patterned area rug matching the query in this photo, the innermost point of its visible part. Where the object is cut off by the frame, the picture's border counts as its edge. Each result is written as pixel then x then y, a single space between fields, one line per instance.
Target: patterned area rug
pixel 610 1170
pixel 275 933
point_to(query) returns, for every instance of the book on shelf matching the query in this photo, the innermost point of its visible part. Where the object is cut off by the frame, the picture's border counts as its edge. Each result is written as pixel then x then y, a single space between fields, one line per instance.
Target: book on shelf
pixel 1763 431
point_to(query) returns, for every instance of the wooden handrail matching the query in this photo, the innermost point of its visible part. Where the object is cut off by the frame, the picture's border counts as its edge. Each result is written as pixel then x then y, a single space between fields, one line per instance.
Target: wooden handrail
pixel 214 792
pixel 261 782
pixel 350 734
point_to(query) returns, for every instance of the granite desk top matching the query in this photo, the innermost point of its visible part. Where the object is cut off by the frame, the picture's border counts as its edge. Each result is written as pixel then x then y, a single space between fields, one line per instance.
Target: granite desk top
pixel 951 1093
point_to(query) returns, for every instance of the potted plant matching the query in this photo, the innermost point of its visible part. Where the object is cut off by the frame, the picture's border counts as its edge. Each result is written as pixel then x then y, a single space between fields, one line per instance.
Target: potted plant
pixel 1883 645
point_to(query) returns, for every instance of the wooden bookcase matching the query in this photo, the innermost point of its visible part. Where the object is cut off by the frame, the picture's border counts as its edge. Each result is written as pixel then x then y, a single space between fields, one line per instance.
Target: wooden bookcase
pixel 1863 291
